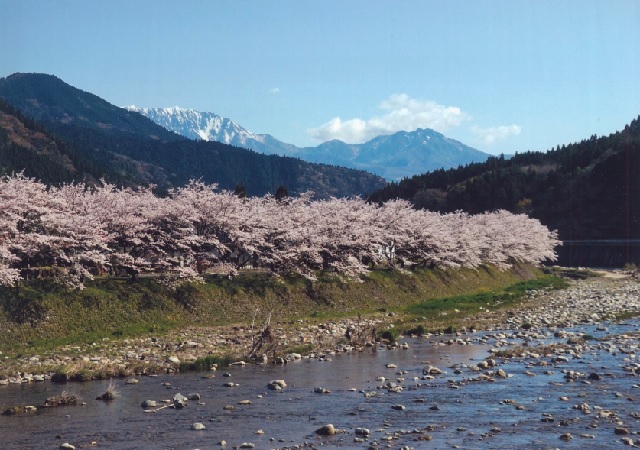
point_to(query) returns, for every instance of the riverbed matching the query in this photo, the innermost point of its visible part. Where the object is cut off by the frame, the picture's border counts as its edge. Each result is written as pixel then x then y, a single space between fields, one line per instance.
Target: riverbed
pixel 532 406
pixel 560 372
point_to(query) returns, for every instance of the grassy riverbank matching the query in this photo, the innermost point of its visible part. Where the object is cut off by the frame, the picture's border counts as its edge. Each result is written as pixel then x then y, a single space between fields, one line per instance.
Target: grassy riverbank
pixel 41 316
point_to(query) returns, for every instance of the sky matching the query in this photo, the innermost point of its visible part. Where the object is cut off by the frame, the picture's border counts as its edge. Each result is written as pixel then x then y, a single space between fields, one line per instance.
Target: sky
pixel 500 76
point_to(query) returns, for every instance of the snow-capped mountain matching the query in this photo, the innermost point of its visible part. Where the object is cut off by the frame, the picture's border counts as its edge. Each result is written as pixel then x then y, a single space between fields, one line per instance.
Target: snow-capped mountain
pixel 208 126
pixel 396 156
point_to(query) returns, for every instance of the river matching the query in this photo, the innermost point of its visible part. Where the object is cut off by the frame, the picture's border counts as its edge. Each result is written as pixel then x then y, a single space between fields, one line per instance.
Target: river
pixel 447 411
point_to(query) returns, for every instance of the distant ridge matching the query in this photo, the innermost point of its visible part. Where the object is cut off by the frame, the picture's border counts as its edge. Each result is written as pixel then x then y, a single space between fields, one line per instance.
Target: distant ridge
pixel 88 138
pixel 393 157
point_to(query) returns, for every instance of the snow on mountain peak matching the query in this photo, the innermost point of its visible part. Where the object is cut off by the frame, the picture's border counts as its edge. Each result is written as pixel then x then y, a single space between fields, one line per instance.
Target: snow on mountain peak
pixel 199 125
pixel 394 156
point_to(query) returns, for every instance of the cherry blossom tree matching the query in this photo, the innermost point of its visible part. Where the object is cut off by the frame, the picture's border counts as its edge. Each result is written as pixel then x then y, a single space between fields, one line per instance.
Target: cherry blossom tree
pixel 77 231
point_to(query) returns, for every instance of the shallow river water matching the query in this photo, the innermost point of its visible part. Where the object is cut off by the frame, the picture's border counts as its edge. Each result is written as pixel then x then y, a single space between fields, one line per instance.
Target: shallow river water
pixel 443 412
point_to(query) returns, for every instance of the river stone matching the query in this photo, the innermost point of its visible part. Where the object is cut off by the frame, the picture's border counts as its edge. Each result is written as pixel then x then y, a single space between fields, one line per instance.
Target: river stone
pixel 431 370
pixel 566 437
pixel 326 430
pixel 321 390
pixel 149 404
pixel 197 426
pixel 277 384
pixel 193 396
pixel 621 431
pixel 173 360
pixel 362 432
pixel 179 401
pixel 67 446
pixel 398 407
pixel 247 445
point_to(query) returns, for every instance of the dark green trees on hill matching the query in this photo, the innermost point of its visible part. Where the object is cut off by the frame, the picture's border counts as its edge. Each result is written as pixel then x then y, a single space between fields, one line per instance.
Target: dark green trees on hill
pixel 102 140
pixel 587 191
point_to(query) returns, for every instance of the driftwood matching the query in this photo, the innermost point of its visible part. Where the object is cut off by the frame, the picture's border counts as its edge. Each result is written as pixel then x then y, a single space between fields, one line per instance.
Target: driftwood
pixel 360 333
pixel 155 410
pixel 258 341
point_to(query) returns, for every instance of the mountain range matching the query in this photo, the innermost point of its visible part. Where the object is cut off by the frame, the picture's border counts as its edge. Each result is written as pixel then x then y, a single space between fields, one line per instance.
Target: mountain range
pixel 588 191
pixel 396 156
pixel 58 133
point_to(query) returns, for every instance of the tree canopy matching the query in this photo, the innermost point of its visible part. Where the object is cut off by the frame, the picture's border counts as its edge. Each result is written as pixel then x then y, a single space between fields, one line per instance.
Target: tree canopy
pixel 76 231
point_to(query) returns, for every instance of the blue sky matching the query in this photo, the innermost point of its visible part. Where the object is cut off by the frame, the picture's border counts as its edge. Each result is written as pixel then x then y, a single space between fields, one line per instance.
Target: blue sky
pixel 501 76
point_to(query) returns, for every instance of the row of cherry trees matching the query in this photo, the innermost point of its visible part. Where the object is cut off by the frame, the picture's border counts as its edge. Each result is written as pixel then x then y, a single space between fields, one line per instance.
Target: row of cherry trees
pixel 75 232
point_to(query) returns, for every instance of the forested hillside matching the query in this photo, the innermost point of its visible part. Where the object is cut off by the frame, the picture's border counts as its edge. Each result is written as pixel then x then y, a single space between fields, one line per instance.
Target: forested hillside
pixel 27 146
pixel 101 140
pixel 587 191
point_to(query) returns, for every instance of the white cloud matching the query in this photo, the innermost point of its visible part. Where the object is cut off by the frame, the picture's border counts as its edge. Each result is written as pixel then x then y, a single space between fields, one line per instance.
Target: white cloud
pixel 275 90
pixel 490 135
pixel 402 113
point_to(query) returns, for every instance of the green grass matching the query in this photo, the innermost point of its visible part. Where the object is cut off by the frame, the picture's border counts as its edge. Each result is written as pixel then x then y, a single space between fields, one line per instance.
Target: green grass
pixel 626 315
pixel 390 334
pixel 471 303
pixel 42 316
